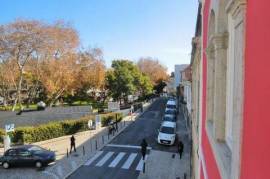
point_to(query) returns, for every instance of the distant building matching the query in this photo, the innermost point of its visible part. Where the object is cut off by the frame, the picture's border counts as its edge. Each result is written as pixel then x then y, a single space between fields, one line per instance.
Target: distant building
pixel 177 74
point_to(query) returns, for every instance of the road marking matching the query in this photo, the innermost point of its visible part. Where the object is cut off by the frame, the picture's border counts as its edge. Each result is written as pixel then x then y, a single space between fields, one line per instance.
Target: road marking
pixel 104 159
pixel 60 171
pixel 127 146
pixel 140 165
pixel 73 165
pixel 93 158
pixel 117 159
pixel 129 161
pixel 51 174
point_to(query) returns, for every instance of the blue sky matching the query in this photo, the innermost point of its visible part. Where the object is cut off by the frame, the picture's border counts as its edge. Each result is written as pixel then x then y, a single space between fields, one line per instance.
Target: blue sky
pixel 122 28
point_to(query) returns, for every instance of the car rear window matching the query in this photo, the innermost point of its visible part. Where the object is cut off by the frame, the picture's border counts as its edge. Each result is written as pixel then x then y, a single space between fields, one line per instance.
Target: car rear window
pixel 167 118
pixel 11 152
pixel 170 112
pixel 36 149
pixel 170 106
pixel 167 130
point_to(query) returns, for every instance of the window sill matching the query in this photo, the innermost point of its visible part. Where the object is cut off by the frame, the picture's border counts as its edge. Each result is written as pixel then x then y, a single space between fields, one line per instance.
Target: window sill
pixel 222 152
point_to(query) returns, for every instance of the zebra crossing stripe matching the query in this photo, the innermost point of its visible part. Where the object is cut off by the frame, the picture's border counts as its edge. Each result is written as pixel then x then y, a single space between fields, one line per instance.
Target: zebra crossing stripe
pixel 140 165
pixel 129 161
pixel 93 158
pixel 104 159
pixel 117 159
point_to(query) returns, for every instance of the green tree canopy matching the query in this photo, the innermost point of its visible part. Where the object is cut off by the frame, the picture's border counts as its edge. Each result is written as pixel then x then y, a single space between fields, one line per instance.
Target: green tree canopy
pixel 125 79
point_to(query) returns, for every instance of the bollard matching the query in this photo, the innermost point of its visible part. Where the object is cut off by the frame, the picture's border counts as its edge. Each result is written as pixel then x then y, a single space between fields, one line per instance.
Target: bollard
pixel 124 122
pixel 185 176
pixel 83 150
pixel 96 144
pixel 67 152
pixel 143 166
pixel 102 139
pixel 108 136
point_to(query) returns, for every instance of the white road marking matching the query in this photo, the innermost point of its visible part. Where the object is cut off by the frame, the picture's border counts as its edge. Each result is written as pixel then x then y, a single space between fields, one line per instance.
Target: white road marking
pixel 140 165
pixel 104 159
pixel 73 165
pixel 117 159
pixel 127 146
pixel 129 161
pixel 93 158
pixel 60 171
pixel 51 174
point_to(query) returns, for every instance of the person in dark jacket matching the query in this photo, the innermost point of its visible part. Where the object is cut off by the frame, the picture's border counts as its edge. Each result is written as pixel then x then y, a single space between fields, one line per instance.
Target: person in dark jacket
pixel 180 148
pixel 72 143
pixel 143 148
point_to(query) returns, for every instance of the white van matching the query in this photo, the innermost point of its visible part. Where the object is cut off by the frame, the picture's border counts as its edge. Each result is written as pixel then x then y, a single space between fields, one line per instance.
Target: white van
pixel 167 133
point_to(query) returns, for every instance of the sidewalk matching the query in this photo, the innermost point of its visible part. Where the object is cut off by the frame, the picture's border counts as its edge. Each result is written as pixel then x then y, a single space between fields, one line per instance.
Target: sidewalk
pixel 160 164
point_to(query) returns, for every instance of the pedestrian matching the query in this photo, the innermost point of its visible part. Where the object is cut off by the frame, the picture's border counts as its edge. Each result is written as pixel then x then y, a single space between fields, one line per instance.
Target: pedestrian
pixel 180 148
pixel 143 148
pixel 72 143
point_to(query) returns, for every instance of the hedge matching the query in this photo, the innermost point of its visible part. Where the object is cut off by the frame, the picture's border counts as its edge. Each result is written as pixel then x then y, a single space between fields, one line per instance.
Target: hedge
pixel 52 130
pixel 2 133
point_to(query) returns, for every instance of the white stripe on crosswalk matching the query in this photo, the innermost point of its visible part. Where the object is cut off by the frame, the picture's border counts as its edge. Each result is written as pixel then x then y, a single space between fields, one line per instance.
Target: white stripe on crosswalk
pixel 117 159
pixel 140 165
pixel 129 161
pixel 104 159
pixel 93 158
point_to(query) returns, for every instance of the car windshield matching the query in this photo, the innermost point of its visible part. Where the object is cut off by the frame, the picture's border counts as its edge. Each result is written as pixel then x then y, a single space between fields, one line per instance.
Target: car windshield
pixel 167 130
pixel 36 149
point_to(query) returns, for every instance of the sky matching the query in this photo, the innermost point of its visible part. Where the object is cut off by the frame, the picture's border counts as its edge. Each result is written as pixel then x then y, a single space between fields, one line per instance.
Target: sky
pixel 123 29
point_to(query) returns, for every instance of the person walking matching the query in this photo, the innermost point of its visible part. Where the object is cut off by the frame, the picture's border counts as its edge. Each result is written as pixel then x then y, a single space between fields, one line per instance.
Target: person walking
pixel 180 148
pixel 143 148
pixel 72 143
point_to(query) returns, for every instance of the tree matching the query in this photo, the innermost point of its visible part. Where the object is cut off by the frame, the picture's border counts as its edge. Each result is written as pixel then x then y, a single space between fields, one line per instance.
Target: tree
pixel 160 86
pixel 126 79
pixel 23 40
pixel 152 68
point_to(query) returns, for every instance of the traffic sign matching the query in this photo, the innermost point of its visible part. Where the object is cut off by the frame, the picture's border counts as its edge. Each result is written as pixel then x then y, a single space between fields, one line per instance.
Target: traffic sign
pixel 10 127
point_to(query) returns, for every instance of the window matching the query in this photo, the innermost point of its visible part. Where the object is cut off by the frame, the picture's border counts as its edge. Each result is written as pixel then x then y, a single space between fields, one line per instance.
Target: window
pixel 11 152
pixel 167 130
pixel 24 153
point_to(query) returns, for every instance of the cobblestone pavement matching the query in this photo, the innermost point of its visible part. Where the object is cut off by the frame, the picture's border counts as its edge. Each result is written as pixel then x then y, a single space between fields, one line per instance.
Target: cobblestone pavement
pixel 39 117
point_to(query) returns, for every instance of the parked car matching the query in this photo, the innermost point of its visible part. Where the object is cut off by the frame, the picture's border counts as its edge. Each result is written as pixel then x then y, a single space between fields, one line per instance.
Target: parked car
pixel 41 106
pixel 171 105
pixel 27 155
pixel 170 118
pixel 171 112
pixel 167 133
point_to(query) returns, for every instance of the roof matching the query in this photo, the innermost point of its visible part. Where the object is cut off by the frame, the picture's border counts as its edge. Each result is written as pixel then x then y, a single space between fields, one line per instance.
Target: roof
pixel 168 124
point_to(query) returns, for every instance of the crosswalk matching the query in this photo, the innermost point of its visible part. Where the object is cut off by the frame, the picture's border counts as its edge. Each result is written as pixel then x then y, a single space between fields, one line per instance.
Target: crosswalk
pixel 123 160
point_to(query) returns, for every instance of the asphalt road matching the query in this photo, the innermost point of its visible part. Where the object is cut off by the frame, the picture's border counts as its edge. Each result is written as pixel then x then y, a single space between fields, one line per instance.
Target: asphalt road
pixel 122 157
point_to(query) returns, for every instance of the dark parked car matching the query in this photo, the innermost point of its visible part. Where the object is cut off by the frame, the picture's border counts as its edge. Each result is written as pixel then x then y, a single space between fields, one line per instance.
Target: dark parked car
pixel 27 155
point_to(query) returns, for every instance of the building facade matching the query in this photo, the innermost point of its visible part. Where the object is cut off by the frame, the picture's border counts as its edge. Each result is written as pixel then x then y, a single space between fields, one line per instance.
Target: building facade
pixel 177 74
pixel 231 88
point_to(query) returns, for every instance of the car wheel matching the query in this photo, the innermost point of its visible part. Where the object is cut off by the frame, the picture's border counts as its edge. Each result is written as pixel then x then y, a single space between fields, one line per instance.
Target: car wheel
pixel 38 164
pixel 5 165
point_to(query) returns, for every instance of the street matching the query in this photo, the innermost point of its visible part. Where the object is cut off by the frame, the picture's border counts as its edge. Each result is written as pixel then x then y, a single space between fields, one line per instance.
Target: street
pixel 122 158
